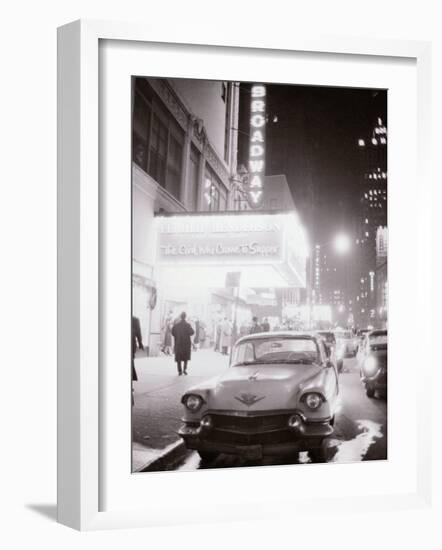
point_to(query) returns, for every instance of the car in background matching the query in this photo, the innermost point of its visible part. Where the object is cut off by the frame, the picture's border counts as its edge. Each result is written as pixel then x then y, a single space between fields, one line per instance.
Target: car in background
pixel 373 362
pixel 278 397
pixel 330 342
pixel 346 343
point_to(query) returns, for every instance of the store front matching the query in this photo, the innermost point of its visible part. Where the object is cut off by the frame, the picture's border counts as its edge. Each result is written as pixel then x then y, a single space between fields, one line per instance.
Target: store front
pixel 196 254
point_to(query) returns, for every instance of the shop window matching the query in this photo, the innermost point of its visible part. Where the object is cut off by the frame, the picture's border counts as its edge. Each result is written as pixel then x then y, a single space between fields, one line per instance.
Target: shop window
pixel 158 151
pixel 193 178
pixel 174 161
pixel 141 128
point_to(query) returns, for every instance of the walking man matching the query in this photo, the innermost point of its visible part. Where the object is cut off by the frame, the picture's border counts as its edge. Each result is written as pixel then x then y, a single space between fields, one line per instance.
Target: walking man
pixel 182 331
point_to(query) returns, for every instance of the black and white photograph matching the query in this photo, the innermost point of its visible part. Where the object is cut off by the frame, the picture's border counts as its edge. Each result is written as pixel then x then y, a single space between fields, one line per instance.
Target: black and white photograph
pixel 259 274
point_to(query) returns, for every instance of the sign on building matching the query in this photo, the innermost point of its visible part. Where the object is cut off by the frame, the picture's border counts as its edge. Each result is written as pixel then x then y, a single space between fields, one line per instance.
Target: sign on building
pixel 257 149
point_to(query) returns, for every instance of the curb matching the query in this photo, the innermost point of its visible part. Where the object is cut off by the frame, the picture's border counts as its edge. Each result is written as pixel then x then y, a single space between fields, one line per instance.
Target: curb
pixel 172 456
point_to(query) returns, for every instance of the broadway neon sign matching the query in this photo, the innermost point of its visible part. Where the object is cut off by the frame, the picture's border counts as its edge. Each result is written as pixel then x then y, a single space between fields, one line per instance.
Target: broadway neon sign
pixel 257 145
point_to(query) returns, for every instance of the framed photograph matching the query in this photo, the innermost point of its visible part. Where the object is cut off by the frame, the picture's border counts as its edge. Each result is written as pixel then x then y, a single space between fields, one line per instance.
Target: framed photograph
pixel 233 223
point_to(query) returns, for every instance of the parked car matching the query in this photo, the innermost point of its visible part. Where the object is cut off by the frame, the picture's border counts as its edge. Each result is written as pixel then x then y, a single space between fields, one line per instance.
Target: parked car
pixel 373 362
pixel 330 342
pixel 346 345
pixel 278 397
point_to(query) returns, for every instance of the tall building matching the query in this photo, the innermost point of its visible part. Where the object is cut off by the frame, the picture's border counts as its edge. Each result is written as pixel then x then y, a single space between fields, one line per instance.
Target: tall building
pixel 184 148
pixel 381 276
pixel 372 215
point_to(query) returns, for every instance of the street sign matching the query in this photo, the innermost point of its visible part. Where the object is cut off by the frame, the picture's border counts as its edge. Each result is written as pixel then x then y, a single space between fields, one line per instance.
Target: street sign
pixel 233 279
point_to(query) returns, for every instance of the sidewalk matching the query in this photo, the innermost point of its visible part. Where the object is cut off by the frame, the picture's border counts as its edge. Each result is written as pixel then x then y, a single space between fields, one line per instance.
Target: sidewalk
pixel 157 411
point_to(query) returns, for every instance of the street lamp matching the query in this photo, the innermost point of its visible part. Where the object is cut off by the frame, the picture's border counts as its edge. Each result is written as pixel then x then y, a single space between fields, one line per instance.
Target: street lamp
pixel 342 243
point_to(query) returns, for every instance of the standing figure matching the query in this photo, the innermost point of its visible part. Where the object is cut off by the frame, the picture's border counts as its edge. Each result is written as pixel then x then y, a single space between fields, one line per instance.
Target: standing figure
pixel 256 327
pixel 182 332
pixel 167 335
pixel 218 336
pixel 265 325
pixel 137 343
pixel 226 336
pixel 196 338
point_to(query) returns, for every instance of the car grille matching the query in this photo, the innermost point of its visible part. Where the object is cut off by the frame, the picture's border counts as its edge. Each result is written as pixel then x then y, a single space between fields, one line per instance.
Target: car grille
pixel 249 430
pixel 250 424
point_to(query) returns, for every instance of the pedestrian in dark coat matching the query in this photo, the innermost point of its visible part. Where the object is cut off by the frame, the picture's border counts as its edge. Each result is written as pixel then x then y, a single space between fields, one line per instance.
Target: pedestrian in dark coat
pixel 137 343
pixel 182 331
pixel 256 327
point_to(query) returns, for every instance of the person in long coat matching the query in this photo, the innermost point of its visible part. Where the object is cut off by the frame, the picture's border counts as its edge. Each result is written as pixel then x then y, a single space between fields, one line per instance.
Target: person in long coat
pixel 226 336
pixel 182 332
pixel 137 343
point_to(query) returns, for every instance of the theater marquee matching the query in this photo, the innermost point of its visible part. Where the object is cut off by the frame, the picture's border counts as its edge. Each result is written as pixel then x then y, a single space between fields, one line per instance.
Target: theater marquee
pixel 226 239
pixel 248 240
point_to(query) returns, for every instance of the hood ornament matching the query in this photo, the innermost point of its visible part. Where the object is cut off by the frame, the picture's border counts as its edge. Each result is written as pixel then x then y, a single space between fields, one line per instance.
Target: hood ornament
pixel 254 376
pixel 249 399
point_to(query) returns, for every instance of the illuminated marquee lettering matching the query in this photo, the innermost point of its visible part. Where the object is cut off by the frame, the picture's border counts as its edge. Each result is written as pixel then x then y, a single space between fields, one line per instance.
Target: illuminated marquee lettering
pixel 256 166
pixel 257 145
pixel 256 151
pixel 257 136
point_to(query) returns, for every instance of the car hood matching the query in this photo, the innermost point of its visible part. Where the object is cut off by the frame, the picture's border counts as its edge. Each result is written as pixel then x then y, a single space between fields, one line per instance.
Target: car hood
pixel 261 387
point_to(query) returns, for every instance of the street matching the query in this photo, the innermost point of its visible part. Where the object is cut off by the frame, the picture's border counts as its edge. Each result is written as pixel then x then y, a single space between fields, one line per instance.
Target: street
pixel 360 425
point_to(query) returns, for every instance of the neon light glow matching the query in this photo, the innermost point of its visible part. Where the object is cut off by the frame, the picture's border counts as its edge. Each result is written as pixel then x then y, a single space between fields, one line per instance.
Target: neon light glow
pixel 257 145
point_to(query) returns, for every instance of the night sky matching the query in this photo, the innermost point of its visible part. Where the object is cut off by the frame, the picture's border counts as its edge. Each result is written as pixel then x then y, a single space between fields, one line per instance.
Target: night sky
pixel 314 143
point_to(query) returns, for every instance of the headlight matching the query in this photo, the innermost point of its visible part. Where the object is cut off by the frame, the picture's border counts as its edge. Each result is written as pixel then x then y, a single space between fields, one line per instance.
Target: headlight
pixel 370 365
pixel 193 402
pixel 313 400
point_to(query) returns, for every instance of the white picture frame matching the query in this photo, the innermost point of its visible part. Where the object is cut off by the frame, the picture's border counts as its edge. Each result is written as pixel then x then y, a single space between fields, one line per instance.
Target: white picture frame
pixel 79 269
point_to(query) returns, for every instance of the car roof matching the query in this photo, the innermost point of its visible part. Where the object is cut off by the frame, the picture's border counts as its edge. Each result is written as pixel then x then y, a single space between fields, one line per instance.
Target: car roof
pixel 378 332
pixel 279 334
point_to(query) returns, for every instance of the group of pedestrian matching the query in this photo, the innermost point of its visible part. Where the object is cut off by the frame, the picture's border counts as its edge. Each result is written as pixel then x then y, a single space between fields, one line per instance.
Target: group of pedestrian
pixel 181 337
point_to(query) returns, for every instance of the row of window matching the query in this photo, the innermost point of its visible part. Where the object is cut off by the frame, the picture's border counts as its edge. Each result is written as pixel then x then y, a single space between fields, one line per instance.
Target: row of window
pixel 158 147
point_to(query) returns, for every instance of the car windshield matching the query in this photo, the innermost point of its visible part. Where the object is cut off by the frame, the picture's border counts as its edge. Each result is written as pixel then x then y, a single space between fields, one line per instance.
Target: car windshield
pixel 275 350
pixel 329 337
pixel 343 335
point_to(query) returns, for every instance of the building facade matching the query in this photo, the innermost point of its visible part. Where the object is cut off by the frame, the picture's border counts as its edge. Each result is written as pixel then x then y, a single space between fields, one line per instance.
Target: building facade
pixel 184 145
pixel 381 277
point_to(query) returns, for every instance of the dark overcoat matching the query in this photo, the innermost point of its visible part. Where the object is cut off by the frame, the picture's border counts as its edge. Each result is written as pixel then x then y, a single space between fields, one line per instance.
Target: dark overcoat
pixel 137 343
pixel 182 331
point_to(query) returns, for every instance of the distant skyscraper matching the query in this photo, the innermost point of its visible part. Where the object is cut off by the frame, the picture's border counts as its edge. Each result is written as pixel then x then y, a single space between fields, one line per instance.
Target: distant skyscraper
pixel 373 214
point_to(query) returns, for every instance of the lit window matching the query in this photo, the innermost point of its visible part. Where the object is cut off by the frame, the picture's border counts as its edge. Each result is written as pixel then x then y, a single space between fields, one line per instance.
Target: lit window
pixel 374 141
pixel 361 143
pixel 366 220
pixel 367 234
pixel 383 141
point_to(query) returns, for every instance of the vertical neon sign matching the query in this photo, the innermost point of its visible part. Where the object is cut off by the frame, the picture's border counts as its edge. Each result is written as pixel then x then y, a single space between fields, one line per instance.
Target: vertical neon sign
pixel 257 145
